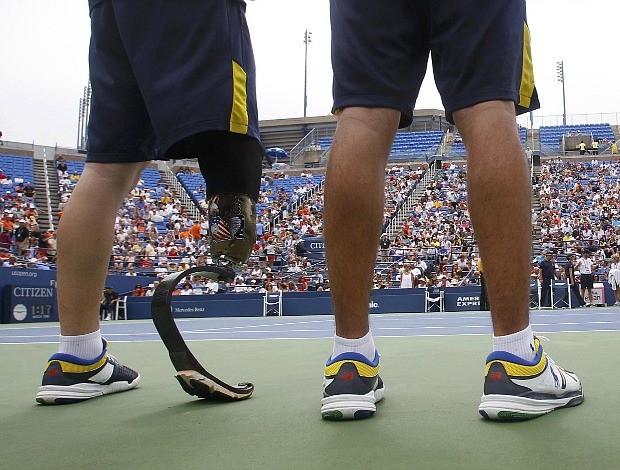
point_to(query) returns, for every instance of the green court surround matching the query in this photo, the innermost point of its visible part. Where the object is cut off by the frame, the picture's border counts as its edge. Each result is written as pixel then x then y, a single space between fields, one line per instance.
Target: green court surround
pixel 428 419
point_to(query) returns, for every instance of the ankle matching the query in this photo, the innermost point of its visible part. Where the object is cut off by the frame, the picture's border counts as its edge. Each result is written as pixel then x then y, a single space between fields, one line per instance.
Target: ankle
pixel 88 346
pixel 520 344
pixel 364 345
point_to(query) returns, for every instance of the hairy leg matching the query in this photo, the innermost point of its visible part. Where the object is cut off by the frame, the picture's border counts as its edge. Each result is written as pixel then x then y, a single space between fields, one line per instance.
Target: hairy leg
pixel 499 195
pixel 354 202
pixel 85 236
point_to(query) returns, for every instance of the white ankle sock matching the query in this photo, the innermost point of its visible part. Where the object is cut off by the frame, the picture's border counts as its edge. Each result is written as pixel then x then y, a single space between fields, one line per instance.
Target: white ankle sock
pixel 520 344
pixel 87 346
pixel 364 345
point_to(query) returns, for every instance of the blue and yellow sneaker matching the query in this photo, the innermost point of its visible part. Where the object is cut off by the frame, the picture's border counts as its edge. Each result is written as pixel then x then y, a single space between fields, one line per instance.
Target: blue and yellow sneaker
pixel 351 387
pixel 516 390
pixel 69 379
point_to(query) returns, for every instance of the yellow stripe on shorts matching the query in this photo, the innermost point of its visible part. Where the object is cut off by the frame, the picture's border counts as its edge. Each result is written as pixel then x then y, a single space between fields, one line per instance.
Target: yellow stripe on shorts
pixel 239 113
pixel 526 90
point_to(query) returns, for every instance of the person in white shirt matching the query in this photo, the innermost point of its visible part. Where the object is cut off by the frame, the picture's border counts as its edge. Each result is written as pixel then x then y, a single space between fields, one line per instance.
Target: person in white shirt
pixel 406 277
pixel 614 277
pixel 585 266
pixel 151 289
pixel 187 289
pixel 212 286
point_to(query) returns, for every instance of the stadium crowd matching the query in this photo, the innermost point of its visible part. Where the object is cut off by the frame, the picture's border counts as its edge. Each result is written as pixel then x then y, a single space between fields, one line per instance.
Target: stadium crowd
pixel 581 210
pixel 22 242
pixel 155 235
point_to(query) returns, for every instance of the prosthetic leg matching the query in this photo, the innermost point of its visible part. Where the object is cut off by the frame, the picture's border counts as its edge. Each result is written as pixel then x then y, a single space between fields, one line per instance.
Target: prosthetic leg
pixel 232 227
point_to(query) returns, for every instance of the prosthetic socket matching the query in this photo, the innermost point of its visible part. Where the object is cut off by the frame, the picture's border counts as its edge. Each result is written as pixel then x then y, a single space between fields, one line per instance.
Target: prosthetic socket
pixel 232 228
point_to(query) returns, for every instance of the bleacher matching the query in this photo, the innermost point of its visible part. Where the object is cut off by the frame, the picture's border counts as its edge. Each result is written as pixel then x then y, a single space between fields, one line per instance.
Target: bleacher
pixel 20 169
pixel 150 176
pixel 194 183
pixel 551 136
pixel 407 145
pixel 458 148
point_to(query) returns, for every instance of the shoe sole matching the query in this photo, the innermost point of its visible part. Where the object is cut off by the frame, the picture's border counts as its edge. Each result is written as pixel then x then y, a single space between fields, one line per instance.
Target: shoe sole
pixel 511 408
pixel 196 384
pixel 62 395
pixel 344 407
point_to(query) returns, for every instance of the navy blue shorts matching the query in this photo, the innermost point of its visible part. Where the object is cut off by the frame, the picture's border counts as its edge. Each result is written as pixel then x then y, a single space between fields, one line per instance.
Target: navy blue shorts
pixel 480 52
pixel 164 70
pixel 587 281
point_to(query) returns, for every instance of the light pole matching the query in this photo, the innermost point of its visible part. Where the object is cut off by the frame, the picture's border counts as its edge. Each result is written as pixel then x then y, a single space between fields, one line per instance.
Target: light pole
pixel 83 117
pixel 560 69
pixel 307 40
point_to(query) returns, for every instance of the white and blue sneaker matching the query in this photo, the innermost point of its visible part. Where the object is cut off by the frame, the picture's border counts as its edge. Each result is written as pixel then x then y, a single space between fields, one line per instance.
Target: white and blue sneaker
pixel 351 387
pixel 515 389
pixel 69 379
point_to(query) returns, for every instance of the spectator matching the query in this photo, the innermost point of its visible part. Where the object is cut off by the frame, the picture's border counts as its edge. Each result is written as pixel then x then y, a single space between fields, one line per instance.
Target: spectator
pixel 187 289
pixel 406 277
pixel 29 193
pixel 131 271
pixel 547 275
pixel 61 167
pixel 151 289
pixel 21 237
pixel 614 277
pixel 212 286
pixel 138 291
pixel 12 262
pixel 109 300
pixel 586 266
pixel 300 247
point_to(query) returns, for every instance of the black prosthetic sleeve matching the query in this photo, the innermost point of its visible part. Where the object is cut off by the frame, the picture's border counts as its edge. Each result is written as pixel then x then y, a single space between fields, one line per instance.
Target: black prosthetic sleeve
pixel 229 162
pixel 231 165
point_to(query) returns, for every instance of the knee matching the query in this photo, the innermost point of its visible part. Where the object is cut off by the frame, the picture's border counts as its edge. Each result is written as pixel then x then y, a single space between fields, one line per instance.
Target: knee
pixel 121 176
pixel 377 121
pixel 485 120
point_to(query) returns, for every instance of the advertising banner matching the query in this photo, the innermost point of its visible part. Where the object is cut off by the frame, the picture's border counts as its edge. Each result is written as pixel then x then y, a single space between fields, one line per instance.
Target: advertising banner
pixel 29 304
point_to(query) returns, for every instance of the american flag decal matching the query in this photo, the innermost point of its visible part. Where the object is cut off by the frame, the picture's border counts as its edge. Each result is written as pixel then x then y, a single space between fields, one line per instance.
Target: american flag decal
pixel 227 230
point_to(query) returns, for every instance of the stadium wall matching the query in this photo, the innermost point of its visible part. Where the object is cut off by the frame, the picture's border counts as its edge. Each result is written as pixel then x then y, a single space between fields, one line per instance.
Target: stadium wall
pixel 30 296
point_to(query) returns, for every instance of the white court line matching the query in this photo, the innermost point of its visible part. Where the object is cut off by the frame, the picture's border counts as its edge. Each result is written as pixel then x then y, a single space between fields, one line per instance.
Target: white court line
pixel 190 332
pixel 225 328
pixel 321 337
pixel 578 323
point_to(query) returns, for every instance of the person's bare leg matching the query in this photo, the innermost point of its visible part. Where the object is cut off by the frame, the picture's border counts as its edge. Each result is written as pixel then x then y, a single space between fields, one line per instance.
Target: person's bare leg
pixel 85 237
pixel 354 202
pixel 499 198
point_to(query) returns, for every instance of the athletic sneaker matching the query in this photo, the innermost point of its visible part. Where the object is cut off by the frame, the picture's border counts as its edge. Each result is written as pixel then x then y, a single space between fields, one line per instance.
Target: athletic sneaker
pixel 69 379
pixel 351 387
pixel 515 389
